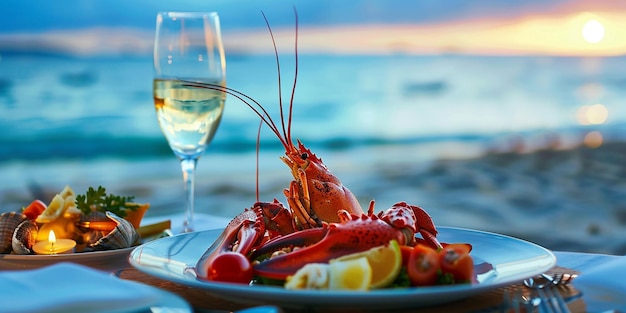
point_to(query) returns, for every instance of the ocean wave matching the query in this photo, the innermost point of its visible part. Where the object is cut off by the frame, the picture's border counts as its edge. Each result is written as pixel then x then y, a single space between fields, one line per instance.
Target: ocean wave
pixel 72 145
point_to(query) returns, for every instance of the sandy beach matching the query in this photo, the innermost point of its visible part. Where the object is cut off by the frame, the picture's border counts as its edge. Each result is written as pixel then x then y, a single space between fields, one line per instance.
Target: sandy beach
pixel 564 199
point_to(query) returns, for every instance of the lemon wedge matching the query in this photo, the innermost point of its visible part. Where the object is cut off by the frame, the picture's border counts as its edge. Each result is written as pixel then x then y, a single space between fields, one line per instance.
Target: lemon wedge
pixel 53 211
pixel 385 262
pixel 58 206
pixel 354 274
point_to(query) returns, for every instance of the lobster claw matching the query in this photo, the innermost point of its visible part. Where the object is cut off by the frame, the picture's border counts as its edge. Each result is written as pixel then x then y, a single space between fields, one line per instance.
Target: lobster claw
pixel 426 227
pixel 411 219
pixel 278 219
pixel 323 244
pixel 246 228
pixel 279 267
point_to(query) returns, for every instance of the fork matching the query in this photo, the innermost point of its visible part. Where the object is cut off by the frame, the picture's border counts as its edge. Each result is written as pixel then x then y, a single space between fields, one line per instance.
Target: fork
pixel 551 300
pixel 560 279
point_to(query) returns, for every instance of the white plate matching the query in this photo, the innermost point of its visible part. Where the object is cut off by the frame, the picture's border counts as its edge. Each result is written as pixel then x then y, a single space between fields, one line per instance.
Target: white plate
pixel 502 260
pixel 109 260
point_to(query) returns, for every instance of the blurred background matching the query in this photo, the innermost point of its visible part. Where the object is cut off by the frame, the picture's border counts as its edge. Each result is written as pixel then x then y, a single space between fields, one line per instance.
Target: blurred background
pixel 504 116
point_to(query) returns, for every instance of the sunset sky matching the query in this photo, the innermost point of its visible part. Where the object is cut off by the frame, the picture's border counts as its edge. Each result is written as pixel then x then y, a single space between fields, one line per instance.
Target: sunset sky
pixel 554 34
pixel 363 27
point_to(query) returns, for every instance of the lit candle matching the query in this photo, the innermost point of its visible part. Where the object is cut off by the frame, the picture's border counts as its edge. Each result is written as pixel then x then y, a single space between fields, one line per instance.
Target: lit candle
pixel 54 245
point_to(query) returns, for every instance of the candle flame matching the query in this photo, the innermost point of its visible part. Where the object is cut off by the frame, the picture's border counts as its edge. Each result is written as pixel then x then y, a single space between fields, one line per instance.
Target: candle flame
pixel 51 237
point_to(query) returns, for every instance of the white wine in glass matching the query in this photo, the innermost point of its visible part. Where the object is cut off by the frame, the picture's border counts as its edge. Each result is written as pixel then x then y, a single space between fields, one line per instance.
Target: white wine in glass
pixel 188 49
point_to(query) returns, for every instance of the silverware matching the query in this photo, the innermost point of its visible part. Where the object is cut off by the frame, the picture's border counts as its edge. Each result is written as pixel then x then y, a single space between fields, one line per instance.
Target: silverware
pixel 560 279
pixel 543 280
pixel 545 295
pixel 538 282
pixel 551 300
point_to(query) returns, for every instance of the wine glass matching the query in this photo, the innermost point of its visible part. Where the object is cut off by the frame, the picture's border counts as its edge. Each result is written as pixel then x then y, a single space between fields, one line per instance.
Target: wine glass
pixel 188 48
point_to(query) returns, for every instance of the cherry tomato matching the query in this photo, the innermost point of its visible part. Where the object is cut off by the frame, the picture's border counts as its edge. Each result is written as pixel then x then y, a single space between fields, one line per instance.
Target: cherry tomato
pixel 423 266
pixel 230 267
pixel 406 254
pixel 456 261
pixel 33 210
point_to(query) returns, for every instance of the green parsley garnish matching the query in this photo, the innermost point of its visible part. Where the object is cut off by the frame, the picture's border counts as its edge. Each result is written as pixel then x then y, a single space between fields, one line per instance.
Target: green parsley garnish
pixel 402 280
pixel 97 200
pixel 445 278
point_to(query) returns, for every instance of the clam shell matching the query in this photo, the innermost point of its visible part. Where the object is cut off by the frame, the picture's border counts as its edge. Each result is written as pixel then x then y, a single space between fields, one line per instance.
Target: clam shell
pixel 123 236
pixel 88 236
pixel 24 237
pixel 8 223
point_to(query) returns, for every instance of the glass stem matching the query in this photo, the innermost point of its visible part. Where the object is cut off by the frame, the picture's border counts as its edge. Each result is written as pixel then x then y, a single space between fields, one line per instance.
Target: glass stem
pixel 189 167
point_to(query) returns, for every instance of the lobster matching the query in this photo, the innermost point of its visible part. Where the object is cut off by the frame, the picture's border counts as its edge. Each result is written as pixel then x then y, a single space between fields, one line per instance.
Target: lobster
pixel 324 217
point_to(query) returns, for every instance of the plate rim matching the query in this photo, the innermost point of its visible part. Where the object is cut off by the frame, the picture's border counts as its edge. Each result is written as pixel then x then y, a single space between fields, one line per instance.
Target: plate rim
pixel 106 260
pixel 256 294
pixel 76 255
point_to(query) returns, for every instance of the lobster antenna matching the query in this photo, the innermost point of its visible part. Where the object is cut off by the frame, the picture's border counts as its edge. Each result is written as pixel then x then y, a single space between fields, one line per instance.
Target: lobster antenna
pixel 280 92
pixel 258 148
pixel 295 79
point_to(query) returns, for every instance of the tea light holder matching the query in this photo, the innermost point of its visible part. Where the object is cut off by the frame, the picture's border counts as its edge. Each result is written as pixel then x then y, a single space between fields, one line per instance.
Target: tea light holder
pixel 54 245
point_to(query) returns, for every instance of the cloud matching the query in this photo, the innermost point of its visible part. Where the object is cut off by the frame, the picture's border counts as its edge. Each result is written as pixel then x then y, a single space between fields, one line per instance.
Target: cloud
pixel 553 32
pixel 99 41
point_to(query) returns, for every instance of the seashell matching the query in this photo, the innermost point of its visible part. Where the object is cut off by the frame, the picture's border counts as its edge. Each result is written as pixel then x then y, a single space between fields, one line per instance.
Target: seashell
pixel 89 235
pixel 24 237
pixel 8 223
pixel 122 236
pixel 95 216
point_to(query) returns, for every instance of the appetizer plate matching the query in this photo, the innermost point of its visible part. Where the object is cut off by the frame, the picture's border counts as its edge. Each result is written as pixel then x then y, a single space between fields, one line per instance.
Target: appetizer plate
pixel 498 260
pixel 110 260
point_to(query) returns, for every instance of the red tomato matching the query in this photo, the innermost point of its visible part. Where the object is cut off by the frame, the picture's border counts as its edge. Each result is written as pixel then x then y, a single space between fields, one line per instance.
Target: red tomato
pixel 34 209
pixel 230 267
pixel 456 261
pixel 423 266
pixel 406 254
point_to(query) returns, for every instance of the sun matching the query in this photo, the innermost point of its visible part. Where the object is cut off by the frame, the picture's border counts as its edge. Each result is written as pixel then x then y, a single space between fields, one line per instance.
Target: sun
pixel 593 31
